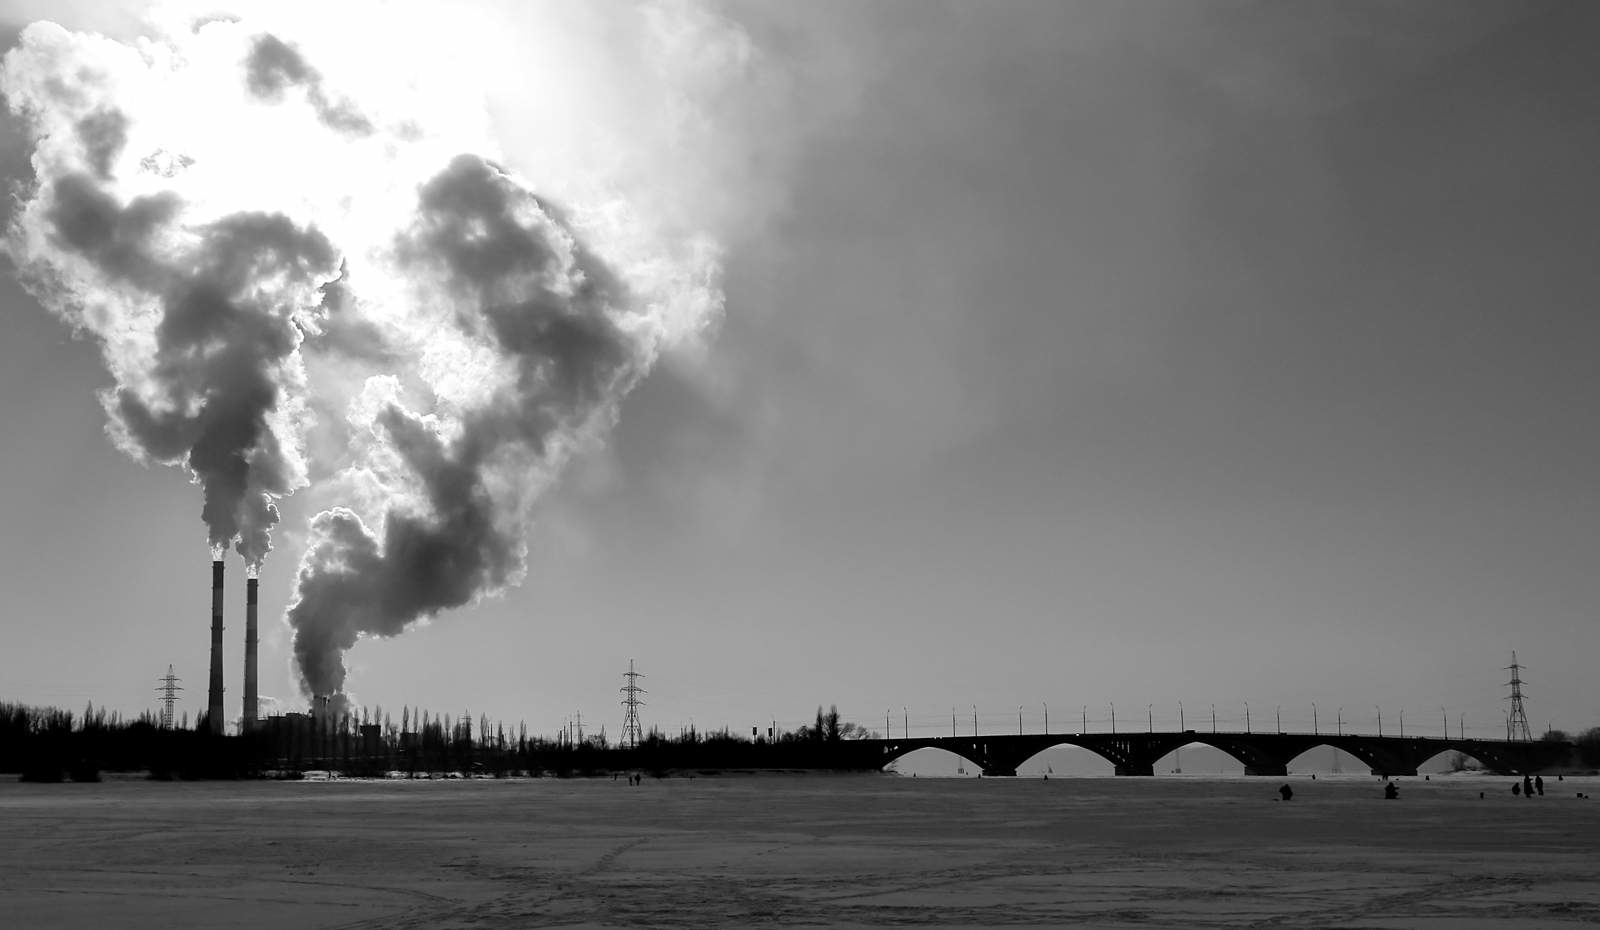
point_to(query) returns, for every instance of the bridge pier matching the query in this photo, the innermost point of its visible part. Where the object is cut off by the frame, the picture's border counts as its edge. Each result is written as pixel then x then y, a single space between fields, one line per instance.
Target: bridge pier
pixel 1267 768
pixel 1137 769
pixel 998 771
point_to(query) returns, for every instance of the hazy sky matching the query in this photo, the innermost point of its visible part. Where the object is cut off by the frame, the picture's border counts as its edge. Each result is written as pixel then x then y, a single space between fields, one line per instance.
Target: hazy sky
pixel 1214 352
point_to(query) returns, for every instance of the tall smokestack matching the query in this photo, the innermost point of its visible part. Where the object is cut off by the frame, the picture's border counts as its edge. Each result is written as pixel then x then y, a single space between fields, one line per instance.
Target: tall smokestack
pixel 214 705
pixel 248 723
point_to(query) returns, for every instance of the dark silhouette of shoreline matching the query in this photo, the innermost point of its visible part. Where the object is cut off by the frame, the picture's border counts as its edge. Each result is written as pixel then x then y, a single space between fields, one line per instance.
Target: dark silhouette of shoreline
pixel 53 745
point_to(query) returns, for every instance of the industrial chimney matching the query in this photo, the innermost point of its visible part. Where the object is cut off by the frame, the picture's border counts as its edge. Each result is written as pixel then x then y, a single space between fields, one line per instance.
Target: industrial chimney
pixel 214 704
pixel 248 721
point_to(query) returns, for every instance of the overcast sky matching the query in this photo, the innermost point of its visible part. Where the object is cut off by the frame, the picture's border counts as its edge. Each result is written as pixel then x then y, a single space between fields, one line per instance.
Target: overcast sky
pixel 1079 353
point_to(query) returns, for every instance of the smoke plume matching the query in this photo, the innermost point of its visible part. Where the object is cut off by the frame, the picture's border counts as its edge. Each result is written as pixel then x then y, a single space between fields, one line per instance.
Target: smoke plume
pixel 307 269
pixel 199 312
pixel 550 339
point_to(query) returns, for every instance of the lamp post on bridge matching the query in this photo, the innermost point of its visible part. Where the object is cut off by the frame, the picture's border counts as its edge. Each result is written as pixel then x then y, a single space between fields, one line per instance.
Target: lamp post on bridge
pixel 1402 723
pixel 1280 718
pixel 1114 718
pixel 1446 715
pixel 1213 718
pixel 1019 719
pixel 952 722
pixel 1085 719
pixel 1150 717
pixel 1181 725
pixel 1380 719
pixel 974 721
pixel 1046 706
pixel 1247 716
pixel 1463 726
pixel 887 733
pixel 1314 731
pixel 906 722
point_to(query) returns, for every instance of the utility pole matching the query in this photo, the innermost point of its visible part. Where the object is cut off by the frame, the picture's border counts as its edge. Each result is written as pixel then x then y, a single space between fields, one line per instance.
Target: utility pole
pixel 1517 721
pixel 631 731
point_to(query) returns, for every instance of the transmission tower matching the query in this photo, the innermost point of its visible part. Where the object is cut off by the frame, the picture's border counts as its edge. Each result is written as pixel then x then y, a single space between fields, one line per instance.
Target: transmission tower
pixel 1517 720
pixel 630 721
pixel 169 696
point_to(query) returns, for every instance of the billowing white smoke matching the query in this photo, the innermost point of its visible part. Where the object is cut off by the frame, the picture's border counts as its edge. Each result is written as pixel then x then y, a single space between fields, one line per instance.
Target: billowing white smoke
pixel 199 306
pixel 532 341
pixel 254 236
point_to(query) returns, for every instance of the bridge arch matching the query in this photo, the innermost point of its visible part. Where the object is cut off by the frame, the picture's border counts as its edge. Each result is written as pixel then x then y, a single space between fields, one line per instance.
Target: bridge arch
pixel 1106 764
pixel 1198 757
pixel 969 750
pixel 1362 752
pixel 1242 750
pixel 1044 747
pixel 1449 753
pixel 1306 758
pixel 933 760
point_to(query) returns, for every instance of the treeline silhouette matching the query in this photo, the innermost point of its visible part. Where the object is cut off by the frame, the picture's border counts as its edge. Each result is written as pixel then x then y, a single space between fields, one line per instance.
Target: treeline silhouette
pixel 50 744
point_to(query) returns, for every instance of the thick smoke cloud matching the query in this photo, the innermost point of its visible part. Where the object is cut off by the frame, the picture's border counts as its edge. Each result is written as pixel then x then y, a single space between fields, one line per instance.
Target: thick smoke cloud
pixel 555 321
pixel 200 320
pixel 260 232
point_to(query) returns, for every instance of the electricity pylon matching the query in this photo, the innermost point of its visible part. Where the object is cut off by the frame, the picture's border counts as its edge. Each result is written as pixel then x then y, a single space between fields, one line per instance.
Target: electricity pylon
pixel 1517 720
pixel 169 696
pixel 631 733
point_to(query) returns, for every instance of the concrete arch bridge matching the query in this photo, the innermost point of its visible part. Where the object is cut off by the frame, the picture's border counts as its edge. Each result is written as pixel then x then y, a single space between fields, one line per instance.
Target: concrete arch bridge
pixel 1261 753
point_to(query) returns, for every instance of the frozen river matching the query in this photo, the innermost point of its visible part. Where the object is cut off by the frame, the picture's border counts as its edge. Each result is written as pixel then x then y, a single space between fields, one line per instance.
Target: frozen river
pixel 818 850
